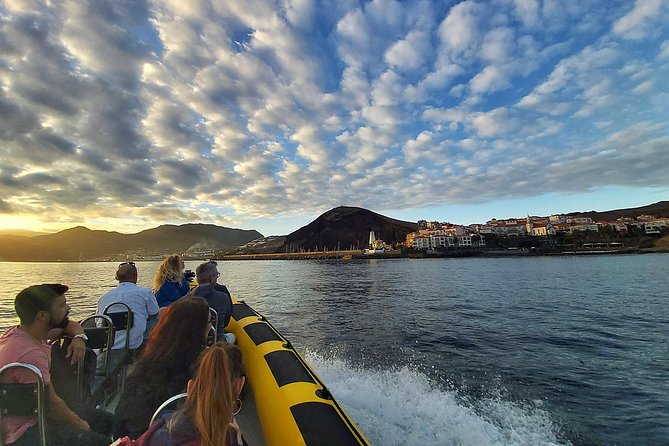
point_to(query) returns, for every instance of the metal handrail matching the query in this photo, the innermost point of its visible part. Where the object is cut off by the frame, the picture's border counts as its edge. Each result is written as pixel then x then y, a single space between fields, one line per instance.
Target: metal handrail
pixel 111 336
pixel 41 398
pixel 165 404
pixel 129 319
pixel 213 318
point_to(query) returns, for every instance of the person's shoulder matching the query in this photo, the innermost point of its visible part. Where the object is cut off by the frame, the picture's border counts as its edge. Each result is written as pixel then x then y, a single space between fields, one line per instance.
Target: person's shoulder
pixel 18 346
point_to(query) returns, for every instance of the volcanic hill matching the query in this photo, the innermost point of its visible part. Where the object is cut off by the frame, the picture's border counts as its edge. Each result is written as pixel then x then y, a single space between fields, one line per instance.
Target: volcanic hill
pixel 346 228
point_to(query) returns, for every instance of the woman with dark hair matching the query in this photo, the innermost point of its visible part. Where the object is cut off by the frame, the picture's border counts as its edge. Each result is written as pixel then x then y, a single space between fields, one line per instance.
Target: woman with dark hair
pixel 207 417
pixel 166 364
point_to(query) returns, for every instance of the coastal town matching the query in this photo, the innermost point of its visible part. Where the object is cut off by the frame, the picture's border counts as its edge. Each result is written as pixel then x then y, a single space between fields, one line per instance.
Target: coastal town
pixel 436 235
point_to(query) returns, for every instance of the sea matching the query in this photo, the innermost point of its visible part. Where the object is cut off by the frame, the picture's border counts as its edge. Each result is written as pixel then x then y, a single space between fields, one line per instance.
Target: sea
pixel 570 350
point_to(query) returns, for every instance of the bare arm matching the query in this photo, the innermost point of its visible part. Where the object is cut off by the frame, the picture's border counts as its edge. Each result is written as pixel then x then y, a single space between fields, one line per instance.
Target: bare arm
pixel 77 349
pixel 73 328
pixel 58 410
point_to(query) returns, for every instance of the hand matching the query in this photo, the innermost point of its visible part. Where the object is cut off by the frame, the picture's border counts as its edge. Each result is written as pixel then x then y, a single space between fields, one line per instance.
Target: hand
pixel 83 425
pixel 76 351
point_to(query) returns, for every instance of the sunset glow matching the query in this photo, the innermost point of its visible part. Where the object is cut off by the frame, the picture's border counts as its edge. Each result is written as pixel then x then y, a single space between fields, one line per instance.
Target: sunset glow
pixel 263 114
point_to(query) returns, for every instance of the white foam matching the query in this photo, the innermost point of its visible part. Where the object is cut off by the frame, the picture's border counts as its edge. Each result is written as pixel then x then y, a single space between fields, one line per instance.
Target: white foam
pixel 404 407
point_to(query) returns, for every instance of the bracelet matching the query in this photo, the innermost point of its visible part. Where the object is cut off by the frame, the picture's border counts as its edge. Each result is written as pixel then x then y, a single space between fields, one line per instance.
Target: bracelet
pixel 81 336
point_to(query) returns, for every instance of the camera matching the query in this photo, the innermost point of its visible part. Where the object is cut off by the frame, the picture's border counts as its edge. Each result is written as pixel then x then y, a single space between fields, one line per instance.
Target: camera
pixel 190 275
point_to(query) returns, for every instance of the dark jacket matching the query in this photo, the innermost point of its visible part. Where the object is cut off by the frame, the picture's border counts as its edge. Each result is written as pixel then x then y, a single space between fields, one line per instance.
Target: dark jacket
pixel 218 298
pixel 142 395
pixel 183 433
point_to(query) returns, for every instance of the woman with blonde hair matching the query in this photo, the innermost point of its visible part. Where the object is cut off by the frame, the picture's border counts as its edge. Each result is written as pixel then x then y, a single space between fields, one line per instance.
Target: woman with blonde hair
pixel 170 283
pixel 207 417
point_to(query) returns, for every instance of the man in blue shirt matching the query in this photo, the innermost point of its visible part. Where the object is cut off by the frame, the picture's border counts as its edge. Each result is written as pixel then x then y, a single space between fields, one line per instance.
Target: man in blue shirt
pixel 141 301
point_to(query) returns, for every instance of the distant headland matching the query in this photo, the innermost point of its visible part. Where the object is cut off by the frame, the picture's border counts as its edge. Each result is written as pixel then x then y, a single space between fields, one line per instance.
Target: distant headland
pixel 352 232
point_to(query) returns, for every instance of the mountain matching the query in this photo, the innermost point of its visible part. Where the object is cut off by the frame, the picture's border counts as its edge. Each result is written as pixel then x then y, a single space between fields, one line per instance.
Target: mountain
pixel 20 232
pixel 81 243
pixel 346 227
pixel 659 209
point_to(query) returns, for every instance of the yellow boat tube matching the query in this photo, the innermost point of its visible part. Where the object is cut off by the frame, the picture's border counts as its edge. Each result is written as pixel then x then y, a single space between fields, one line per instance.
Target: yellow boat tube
pixel 294 406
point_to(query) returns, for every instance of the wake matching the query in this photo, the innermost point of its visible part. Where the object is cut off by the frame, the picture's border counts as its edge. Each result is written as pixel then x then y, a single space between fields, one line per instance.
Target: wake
pixel 402 406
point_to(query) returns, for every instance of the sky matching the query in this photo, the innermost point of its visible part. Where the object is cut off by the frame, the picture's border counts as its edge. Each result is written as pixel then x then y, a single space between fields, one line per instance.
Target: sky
pixel 126 114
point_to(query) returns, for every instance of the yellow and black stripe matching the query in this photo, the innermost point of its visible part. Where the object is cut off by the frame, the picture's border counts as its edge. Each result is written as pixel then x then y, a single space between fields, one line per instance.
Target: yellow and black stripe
pixel 294 406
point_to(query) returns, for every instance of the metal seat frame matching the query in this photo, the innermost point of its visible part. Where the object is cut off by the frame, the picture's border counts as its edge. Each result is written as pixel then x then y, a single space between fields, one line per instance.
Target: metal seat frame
pixel 213 318
pixel 39 390
pixel 167 403
pixel 129 322
pixel 111 335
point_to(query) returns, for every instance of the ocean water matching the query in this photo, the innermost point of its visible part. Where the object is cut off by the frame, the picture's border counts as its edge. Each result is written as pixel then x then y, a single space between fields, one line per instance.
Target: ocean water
pixel 506 351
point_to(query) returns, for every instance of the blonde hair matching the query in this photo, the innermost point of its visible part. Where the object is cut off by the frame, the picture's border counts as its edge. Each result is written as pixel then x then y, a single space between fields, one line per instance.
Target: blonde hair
pixel 168 270
pixel 211 398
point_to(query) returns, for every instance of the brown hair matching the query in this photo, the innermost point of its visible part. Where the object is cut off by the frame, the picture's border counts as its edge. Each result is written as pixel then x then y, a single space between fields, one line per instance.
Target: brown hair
pixel 177 338
pixel 37 298
pixel 210 402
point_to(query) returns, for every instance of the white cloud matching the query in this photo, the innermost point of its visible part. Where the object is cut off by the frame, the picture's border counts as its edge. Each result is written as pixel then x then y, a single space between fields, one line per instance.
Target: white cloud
pixel 528 12
pixel 409 53
pixel 496 122
pixel 640 20
pixel 664 51
pixel 459 31
pixel 491 78
pixel 261 106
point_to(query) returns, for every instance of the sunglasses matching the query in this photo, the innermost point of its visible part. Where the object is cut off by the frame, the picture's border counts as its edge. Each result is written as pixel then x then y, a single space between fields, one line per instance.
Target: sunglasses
pixel 126 263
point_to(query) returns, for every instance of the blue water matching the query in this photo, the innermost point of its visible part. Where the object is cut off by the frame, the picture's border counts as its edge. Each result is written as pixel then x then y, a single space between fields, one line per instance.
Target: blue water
pixel 509 351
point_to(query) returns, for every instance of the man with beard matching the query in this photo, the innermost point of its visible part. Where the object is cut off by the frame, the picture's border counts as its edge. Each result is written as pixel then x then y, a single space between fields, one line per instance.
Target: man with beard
pixel 42 311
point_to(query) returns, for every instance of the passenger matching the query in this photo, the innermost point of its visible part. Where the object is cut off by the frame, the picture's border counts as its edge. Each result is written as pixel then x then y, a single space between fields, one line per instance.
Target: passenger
pixel 43 311
pixel 165 365
pixel 217 296
pixel 141 301
pixel 170 282
pixel 207 418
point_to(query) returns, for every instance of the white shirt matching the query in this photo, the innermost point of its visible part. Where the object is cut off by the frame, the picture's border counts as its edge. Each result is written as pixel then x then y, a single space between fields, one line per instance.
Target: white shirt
pixel 141 301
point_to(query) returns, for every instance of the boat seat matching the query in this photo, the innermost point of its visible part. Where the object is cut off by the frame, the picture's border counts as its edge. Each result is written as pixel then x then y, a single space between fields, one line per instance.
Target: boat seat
pixel 25 400
pixel 123 321
pixel 73 383
pixel 169 404
pixel 212 336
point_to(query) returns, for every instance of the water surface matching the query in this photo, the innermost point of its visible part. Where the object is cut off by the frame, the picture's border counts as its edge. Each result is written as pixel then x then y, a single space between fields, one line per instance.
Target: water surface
pixel 510 351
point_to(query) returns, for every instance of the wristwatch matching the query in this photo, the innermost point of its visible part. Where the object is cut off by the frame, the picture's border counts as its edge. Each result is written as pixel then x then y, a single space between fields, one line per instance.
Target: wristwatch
pixel 81 336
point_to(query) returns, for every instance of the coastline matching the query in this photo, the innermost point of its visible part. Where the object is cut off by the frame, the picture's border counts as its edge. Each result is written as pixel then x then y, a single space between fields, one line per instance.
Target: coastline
pixel 360 255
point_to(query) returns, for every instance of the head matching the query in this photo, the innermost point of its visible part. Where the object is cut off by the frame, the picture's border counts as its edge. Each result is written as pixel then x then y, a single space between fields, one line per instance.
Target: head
pixel 207 272
pixel 212 393
pixel 127 272
pixel 43 305
pixel 172 269
pixel 180 334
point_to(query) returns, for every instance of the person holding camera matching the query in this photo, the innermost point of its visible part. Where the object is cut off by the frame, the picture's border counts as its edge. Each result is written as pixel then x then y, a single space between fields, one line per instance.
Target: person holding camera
pixel 171 282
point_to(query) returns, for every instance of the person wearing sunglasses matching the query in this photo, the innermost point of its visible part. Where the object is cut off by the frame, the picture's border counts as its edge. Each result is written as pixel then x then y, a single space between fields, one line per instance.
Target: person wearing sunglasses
pixel 216 295
pixel 141 301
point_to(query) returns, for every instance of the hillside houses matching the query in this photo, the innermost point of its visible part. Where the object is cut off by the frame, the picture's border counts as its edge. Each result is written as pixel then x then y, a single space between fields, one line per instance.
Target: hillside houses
pixel 435 235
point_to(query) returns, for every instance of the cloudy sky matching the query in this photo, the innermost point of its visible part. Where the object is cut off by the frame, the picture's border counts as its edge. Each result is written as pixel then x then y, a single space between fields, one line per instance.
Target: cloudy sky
pixel 262 114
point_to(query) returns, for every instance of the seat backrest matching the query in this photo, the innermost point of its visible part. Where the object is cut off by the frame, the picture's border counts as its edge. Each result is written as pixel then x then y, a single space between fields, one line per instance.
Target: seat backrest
pixel 65 376
pixel 27 400
pixel 100 331
pixel 122 320
pixel 170 403
pixel 120 314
